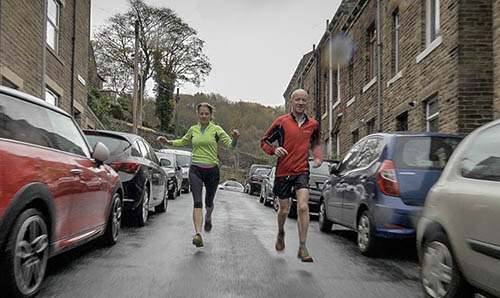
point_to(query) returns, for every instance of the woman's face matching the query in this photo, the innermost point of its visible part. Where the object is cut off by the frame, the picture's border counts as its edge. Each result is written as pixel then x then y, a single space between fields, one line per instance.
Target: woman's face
pixel 204 115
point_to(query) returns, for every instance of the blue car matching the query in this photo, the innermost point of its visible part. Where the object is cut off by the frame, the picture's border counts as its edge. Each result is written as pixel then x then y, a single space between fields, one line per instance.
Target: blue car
pixel 379 189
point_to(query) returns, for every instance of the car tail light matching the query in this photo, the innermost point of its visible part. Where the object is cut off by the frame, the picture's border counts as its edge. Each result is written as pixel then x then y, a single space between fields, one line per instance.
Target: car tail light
pixel 387 180
pixel 128 166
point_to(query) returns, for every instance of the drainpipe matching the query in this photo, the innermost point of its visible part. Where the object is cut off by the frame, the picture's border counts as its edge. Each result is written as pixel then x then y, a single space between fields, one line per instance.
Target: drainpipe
pixel 44 50
pixel 1 37
pixel 330 97
pixel 379 71
pixel 73 42
pixel 317 85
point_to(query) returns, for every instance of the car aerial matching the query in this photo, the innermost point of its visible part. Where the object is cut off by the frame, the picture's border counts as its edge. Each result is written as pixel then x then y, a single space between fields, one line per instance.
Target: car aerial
pixel 380 187
pixel 184 160
pixel 457 236
pixel 253 178
pixel 144 181
pixel 55 191
pixel 231 185
pixel 267 196
pixel 174 173
pixel 317 177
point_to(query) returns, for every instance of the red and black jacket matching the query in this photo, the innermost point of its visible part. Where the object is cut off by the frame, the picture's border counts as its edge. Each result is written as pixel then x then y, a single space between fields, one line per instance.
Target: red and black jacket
pixel 296 140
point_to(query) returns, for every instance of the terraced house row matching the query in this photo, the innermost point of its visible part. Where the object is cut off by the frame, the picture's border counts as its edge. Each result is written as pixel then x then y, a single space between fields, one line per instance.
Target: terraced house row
pixel 45 51
pixel 439 69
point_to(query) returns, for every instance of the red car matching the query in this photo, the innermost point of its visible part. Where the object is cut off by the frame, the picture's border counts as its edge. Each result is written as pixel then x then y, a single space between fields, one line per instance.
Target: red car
pixel 55 191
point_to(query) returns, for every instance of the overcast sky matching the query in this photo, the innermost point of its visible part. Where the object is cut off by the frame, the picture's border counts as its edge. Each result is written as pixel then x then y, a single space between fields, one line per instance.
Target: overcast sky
pixel 254 46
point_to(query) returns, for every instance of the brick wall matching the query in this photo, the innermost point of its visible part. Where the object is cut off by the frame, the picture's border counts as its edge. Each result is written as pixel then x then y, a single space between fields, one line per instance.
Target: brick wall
pixel 496 56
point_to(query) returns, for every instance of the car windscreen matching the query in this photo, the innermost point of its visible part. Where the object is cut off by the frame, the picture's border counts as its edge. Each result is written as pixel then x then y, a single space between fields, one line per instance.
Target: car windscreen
pixel 184 160
pixel 324 169
pixel 424 153
pixel 116 145
pixel 261 172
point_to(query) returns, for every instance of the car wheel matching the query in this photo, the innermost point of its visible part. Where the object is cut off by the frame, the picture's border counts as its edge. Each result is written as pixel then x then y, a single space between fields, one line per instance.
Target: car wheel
pixel 441 276
pixel 276 204
pixel 293 210
pixel 112 233
pixel 162 208
pixel 26 255
pixel 261 197
pixel 178 193
pixel 171 195
pixel 325 225
pixel 366 239
pixel 142 211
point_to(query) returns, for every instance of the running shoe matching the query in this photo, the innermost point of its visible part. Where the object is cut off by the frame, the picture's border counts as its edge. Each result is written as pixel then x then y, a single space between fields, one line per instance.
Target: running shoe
pixel 208 225
pixel 197 241
pixel 304 255
pixel 280 242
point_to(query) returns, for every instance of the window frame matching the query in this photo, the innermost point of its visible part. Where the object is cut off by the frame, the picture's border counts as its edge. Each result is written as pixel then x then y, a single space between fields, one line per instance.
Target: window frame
pixel 50 23
pixel 372 52
pixel 396 43
pixel 433 21
pixel 53 94
pixel 429 118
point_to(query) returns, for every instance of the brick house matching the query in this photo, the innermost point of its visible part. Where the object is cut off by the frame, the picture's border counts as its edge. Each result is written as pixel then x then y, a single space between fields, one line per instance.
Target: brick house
pixel 440 69
pixel 36 53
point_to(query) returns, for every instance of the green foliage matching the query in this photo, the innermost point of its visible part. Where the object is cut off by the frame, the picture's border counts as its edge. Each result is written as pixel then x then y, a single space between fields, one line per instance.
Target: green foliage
pixel 100 105
pixel 164 92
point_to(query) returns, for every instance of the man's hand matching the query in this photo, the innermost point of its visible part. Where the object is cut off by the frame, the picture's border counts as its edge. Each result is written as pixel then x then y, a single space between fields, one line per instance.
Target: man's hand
pixel 317 163
pixel 280 151
pixel 235 134
pixel 164 140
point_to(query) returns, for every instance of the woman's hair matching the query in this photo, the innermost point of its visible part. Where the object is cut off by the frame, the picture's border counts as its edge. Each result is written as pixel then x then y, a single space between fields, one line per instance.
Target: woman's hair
pixel 206 105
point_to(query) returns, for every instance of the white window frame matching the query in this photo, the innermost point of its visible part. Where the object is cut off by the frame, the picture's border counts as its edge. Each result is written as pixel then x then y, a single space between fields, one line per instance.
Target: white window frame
pixel 50 23
pixel 433 21
pixel 372 43
pixel 428 117
pixel 53 94
pixel 337 144
pixel 397 26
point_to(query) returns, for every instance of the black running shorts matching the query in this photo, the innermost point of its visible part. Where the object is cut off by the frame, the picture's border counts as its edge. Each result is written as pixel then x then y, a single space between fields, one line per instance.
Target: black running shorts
pixel 285 186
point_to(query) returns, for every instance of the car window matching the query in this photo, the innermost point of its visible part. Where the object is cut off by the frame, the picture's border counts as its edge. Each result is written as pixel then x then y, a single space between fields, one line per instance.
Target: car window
pixel 151 153
pixel 261 172
pixel 324 169
pixel 482 160
pixel 184 160
pixel 369 152
pixel 230 183
pixel 351 158
pixel 166 163
pixel 116 145
pixel 424 153
pixel 143 149
pixel 30 123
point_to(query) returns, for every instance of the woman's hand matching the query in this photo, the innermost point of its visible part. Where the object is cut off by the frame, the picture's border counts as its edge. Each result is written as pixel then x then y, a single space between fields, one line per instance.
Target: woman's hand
pixel 235 134
pixel 164 140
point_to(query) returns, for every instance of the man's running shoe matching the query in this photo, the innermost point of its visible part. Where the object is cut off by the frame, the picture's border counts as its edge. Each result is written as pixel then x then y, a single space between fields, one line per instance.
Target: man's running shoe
pixel 197 241
pixel 304 255
pixel 208 225
pixel 280 242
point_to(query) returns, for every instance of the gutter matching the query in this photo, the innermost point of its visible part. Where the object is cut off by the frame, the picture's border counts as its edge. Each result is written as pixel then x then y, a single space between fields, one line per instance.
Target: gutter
pixel 379 71
pixel 73 42
pixel 44 50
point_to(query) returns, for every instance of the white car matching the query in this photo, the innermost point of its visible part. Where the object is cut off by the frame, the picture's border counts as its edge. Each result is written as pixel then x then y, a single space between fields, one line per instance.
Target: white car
pixel 231 185
pixel 184 160
pixel 457 237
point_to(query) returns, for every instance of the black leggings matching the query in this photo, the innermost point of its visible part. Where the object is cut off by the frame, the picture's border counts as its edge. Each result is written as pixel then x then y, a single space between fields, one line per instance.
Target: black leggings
pixel 208 176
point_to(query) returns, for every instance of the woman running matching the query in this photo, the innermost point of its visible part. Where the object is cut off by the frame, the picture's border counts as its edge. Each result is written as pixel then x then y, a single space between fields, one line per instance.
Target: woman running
pixel 204 138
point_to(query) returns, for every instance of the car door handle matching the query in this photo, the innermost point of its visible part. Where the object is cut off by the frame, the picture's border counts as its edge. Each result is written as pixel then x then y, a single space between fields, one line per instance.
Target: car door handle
pixel 77 172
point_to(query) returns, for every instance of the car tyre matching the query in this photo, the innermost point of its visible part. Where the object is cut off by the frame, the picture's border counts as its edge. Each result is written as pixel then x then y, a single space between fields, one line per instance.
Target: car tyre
pixel 142 211
pixel 23 272
pixel 325 225
pixel 441 276
pixel 162 208
pixel 276 204
pixel 366 239
pixel 112 234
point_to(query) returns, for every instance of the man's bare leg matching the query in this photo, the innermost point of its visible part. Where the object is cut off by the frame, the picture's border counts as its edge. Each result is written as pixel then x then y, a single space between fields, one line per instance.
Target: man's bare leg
pixel 303 222
pixel 282 214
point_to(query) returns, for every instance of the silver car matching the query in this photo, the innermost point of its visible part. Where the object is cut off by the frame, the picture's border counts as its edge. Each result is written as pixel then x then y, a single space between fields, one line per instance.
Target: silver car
pixel 231 185
pixel 457 237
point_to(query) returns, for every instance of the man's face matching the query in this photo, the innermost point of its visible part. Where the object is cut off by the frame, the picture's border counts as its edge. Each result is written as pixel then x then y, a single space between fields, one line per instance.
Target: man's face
pixel 299 102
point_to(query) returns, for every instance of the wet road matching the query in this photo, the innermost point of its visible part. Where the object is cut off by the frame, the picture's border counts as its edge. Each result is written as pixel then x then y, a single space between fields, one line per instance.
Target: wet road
pixel 238 260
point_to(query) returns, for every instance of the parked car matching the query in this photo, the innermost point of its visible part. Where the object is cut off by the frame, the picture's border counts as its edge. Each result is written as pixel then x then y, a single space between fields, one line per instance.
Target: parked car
pixel 231 185
pixel 55 191
pixel 380 187
pixel 144 181
pixel 317 178
pixel 184 160
pixel 253 178
pixel 457 237
pixel 267 196
pixel 168 162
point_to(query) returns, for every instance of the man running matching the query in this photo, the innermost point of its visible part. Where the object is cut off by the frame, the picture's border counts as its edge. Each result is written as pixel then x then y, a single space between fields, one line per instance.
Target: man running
pixel 296 133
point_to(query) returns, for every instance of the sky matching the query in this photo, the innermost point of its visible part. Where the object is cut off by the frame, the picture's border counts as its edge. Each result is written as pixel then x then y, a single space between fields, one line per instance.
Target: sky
pixel 254 46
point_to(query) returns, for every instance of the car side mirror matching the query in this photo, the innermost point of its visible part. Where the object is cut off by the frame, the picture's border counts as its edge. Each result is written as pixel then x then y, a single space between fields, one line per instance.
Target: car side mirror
pixel 334 170
pixel 100 153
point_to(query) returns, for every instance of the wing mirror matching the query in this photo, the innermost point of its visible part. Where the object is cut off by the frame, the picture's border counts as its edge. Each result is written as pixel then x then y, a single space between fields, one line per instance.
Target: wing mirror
pixel 101 152
pixel 334 169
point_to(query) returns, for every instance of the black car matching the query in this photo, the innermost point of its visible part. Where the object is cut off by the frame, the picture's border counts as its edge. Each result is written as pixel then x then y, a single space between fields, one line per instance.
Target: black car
pixel 144 181
pixel 254 177
pixel 317 178
pixel 169 163
pixel 267 196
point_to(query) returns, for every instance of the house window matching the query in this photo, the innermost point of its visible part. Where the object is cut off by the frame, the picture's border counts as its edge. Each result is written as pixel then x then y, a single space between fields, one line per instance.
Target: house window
pixel 53 24
pixel 51 97
pixel 372 39
pixel 396 48
pixel 370 127
pixel 433 21
pixel 432 115
pixel 402 122
pixel 355 136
